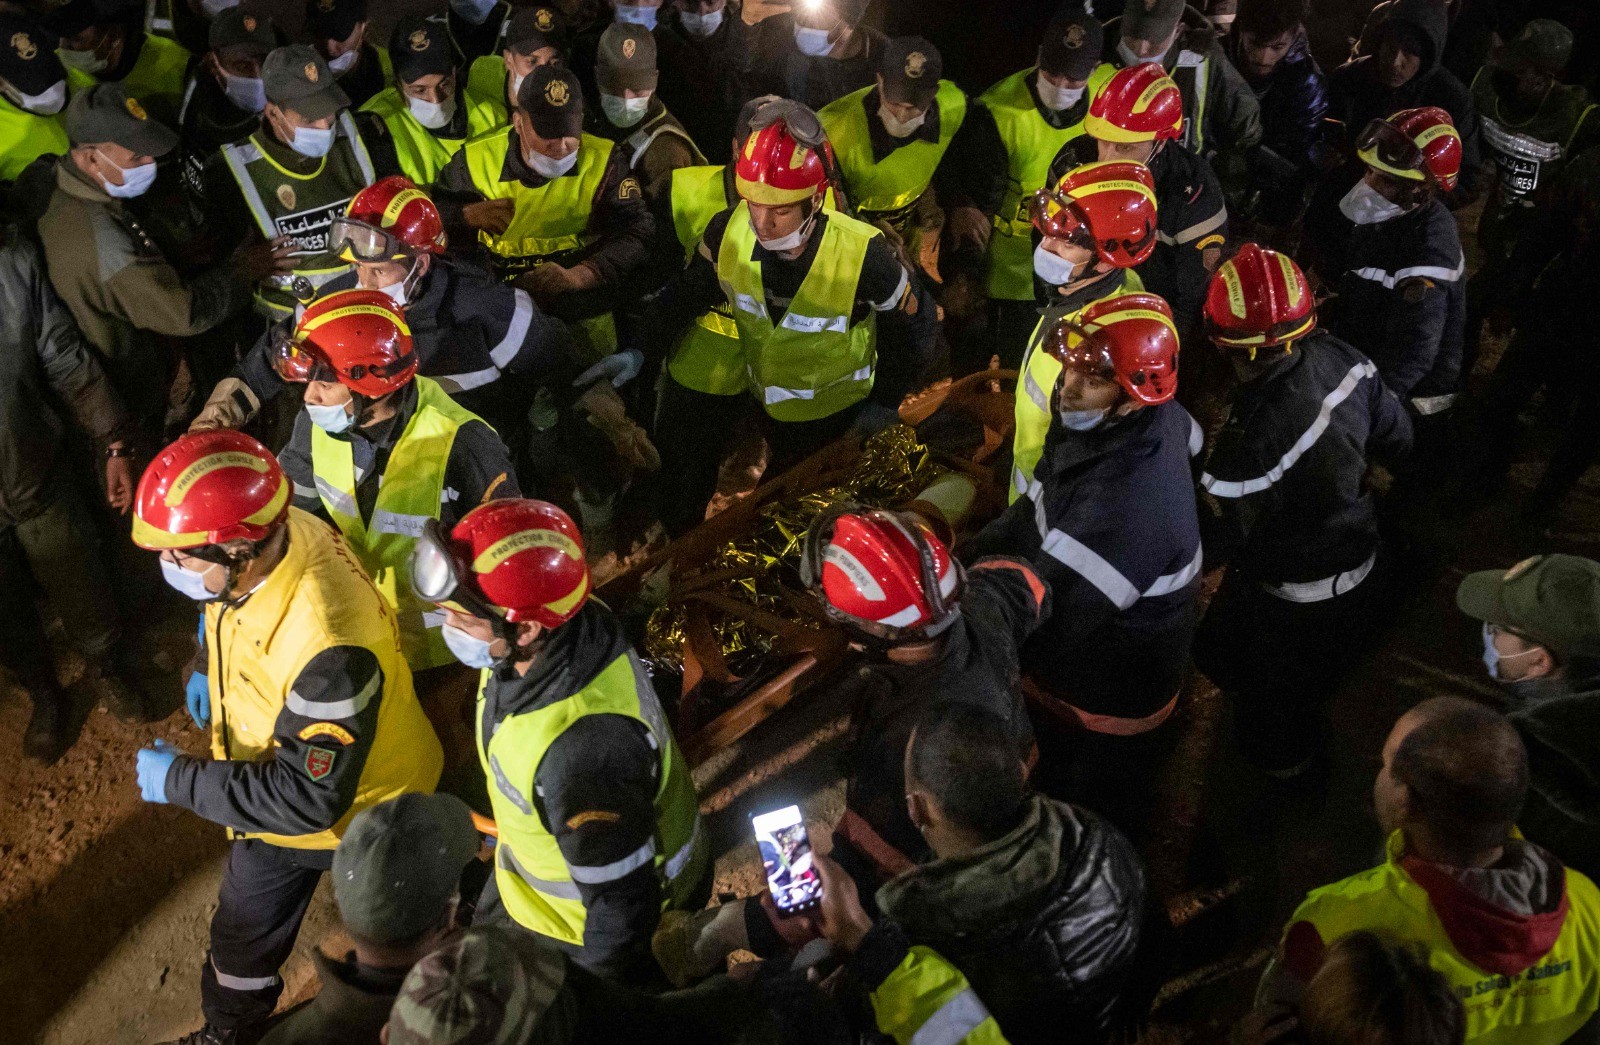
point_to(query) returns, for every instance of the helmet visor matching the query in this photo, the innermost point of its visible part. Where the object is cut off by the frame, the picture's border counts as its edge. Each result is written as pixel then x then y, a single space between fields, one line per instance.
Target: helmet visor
pixel 297 362
pixel 355 240
pixel 1078 350
pixel 1057 217
pixel 439 577
pixel 1391 148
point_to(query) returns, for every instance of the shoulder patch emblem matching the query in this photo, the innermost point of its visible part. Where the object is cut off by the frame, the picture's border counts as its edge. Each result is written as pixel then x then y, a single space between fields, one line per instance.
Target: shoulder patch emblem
pixel 1211 257
pixel 1415 289
pixel 249 23
pixel 908 302
pixel 593 816
pixel 629 189
pixel 319 762
pixel 327 729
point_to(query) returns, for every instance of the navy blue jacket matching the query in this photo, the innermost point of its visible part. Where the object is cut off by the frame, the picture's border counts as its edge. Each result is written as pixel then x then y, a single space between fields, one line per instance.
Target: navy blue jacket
pixel 1294 102
pixel 1110 523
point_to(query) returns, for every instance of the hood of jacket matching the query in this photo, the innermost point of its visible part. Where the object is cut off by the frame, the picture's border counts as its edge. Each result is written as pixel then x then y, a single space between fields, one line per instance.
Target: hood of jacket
pixel 1431 21
pixel 1505 918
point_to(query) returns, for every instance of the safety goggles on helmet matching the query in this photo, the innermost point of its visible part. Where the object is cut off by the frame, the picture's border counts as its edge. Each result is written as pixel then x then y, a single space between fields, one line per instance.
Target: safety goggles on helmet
pixel 354 240
pixel 1056 216
pixel 441 577
pixel 1078 350
pixel 298 361
pixel 1391 150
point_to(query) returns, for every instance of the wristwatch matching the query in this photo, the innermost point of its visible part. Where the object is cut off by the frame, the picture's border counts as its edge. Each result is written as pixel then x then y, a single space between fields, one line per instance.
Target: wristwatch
pixel 119 451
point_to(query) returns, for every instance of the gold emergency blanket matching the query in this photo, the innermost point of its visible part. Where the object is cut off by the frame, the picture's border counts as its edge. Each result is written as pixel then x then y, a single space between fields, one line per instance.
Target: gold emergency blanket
pixel 892 468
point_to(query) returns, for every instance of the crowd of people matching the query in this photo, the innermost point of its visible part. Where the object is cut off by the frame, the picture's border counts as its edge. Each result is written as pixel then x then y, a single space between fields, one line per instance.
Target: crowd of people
pixel 375 343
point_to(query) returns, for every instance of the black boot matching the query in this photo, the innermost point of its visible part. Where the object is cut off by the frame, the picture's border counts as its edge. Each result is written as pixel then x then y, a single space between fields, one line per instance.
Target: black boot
pixel 209 1035
pixel 120 689
pixel 46 738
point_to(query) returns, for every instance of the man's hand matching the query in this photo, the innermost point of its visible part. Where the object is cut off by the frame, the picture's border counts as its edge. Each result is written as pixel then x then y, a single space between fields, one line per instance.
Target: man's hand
pixel 551 280
pixel 969 226
pixel 151 766
pixel 256 260
pixel 491 216
pixel 119 482
pixel 607 413
pixel 843 920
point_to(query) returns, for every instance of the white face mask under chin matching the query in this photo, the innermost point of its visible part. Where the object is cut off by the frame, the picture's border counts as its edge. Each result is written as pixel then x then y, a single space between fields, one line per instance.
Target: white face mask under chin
pixel 188 582
pixel 432 115
pixel 401 292
pixel 247 92
pixel 51 101
pixel 1058 99
pixel 84 61
pixel 813 43
pixel 897 128
pixel 545 167
pixel 698 25
pixel 1365 205
pixel 1083 420
pixel 468 649
pixel 345 62
pixel 792 241
pixel 1129 58
pixel 136 181
pixel 1052 267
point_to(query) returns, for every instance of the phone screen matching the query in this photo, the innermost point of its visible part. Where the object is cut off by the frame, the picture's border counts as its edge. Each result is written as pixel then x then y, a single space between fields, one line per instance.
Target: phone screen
pixel 786 856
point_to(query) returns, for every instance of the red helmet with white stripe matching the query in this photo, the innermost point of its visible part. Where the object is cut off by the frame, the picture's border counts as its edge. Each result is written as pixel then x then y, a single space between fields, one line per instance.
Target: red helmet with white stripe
pixel 1259 298
pixel 884 575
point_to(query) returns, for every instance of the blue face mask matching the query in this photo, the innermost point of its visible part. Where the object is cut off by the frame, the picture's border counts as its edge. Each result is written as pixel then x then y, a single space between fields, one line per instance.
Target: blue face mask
pixel 187 581
pixel 1083 420
pixel 468 649
pixel 331 419
pixel 638 14
pixel 1492 656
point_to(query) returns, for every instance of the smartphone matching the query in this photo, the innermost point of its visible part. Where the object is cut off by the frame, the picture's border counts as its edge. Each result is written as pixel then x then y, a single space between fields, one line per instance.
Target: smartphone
pixel 786 857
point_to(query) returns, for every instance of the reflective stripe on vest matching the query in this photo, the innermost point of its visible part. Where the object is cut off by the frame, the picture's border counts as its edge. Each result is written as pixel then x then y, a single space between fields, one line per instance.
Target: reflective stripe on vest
pixel 538 887
pixel 1194 124
pixel 300 206
pixel 639 141
pixel 318 597
pixel 421 153
pixel 1031 145
pixel 157 75
pixel 900 178
pixel 926 1000
pixel 1541 1005
pixel 1035 386
pixel 813 363
pixel 25 136
pixel 707 357
pixel 409 494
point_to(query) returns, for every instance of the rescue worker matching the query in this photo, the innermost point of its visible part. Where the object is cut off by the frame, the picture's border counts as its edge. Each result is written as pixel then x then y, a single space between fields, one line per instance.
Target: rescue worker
pixel 857 328
pixel 1457 885
pixel 293 176
pixel 1401 298
pixel 1095 228
pixel 911 133
pixel 816 53
pixel 703 50
pixel 528 38
pixel 104 43
pixel 428 112
pixel 1532 125
pixel 310 705
pixel 33 91
pixel 597 820
pixel 225 95
pixel 1109 522
pixel 1222 121
pixel 630 115
pixel 338 30
pixel 931 632
pixel 557 209
pixel 1138 115
pixel 378 451
pixel 1288 511
pixel 120 288
pixel 1036 112
pixel 46 536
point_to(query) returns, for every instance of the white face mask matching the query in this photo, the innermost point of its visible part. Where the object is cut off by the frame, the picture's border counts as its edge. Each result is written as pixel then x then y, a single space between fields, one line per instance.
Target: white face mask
pixel 897 128
pixel 331 419
pixel 1083 420
pixel 84 61
pixel 247 92
pixel 1051 267
pixel 312 142
pixel 1129 58
pixel 1365 205
pixel 188 582
pixel 793 240
pixel 432 115
pixel 637 14
pixel 136 181
pixel 545 167
pixel 624 112
pixel 813 43
pixel 345 62
pixel 212 8
pixel 700 25
pixel 468 649
pixel 1057 99
pixel 48 103
pixel 400 292
pixel 474 11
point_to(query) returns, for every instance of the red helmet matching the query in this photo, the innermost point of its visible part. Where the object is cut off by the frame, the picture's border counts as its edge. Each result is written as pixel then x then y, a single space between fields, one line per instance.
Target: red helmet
pixel 358 338
pixel 1109 208
pixel 209 488
pixel 1138 104
pixel 1129 339
pixel 1414 145
pixel 1257 299
pixel 775 168
pixel 516 559
pixel 389 220
pixel 884 574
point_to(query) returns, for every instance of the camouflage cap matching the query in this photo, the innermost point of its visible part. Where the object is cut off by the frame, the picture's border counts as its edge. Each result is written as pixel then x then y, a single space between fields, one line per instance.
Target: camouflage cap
pixel 1552 599
pixel 490 986
pixel 1544 45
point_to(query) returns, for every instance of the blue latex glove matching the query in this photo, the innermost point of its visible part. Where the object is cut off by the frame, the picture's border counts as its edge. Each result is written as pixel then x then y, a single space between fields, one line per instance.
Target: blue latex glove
pixel 873 419
pixel 618 367
pixel 197 697
pixel 153 763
